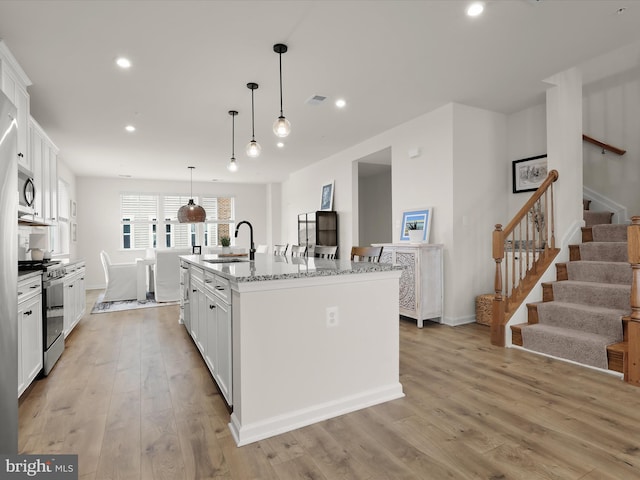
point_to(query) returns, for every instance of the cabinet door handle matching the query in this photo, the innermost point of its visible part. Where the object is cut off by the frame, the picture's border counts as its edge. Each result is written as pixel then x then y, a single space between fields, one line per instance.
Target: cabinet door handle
pixel 212 307
pixel 28 312
pixel 34 286
pixel 208 281
pixel 194 291
pixel 20 155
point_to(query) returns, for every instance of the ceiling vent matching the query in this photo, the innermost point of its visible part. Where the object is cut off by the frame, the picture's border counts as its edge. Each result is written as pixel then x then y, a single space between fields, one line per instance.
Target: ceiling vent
pixel 316 100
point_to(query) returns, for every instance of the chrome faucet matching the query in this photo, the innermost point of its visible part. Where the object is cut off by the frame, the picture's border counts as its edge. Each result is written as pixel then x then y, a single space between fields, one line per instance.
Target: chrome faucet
pixel 252 250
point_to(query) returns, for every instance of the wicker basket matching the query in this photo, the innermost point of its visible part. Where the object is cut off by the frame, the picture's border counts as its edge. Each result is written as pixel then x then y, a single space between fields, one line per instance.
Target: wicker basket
pixel 484 307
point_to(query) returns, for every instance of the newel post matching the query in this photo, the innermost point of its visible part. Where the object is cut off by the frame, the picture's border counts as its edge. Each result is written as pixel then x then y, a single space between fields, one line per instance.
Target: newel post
pixel 632 372
pixel 497 312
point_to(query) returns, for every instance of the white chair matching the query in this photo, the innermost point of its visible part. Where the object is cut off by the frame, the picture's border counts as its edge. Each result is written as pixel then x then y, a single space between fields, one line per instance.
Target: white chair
pixel 279 250
pixel 262 249
pixel 298 250
pixel 167 273
pixel 121 279
pixel 322 251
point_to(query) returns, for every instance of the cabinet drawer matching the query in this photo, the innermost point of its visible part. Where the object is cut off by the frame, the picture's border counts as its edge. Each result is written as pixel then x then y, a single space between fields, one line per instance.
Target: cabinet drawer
pixel 197 273
pixel 29 288
pixel 223 289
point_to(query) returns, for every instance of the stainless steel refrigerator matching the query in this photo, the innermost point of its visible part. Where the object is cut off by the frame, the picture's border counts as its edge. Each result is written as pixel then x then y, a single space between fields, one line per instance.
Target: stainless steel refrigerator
pixel 8 278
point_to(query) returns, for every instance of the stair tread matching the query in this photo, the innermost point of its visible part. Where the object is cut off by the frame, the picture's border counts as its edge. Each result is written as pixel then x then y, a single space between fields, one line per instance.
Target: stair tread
pixel 587 308
pixel 592 284
pixel 619 347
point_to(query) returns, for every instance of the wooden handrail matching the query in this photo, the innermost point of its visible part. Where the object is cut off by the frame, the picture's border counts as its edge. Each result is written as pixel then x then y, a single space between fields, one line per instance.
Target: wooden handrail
pixel 603 146
pixel 530 239
pixel 551 177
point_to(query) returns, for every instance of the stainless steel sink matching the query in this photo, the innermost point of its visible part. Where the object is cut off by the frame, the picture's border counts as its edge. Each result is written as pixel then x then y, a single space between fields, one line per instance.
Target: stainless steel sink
pixel 227 260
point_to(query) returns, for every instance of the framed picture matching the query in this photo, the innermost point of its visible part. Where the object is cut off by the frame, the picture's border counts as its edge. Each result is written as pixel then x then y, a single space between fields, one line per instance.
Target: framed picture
pixel 196 249
pixel 421 219
pixel 327 196
pixel 74 232
pixel 72 208
pixel 529 173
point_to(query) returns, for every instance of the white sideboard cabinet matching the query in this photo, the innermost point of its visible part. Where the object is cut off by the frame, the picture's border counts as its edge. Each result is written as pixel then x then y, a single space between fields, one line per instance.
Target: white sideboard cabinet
pixel 421 283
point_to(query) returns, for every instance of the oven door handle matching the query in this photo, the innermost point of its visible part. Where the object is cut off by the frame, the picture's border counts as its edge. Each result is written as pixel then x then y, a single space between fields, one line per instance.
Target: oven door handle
pixel 52 282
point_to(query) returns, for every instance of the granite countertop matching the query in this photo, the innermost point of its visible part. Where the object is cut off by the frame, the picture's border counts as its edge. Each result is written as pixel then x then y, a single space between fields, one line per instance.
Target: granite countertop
pixel 271 267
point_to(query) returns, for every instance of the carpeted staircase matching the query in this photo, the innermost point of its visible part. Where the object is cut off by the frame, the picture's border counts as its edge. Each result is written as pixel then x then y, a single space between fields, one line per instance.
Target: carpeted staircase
pixel 581 313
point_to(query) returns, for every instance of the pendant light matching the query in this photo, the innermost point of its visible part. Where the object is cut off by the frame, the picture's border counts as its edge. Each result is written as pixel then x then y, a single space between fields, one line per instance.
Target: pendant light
pixel 191 213
pixel 281 126
pixel 233 165
pixel 253 148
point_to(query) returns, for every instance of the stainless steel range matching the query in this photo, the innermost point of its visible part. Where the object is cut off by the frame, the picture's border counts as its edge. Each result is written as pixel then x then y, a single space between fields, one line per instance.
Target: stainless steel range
pixel 53 273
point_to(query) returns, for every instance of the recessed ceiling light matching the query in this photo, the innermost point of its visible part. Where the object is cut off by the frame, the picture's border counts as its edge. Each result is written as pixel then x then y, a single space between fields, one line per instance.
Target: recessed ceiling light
pixel 130 128
pixel 340 103
pixel 123 62
pixel 475 9
pixel 280 144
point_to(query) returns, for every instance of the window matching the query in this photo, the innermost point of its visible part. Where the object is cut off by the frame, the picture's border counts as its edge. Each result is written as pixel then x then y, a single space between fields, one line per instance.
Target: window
pixel 138 215
pixel 140 227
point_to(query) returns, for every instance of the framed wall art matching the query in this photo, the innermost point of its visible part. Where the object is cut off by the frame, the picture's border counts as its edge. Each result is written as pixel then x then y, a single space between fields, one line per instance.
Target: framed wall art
pixel 326 202
pixel 419 220
pixel 529 173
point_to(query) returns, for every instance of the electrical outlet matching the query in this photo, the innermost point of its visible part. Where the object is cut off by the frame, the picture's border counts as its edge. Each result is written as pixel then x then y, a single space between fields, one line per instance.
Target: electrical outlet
pixel 332 316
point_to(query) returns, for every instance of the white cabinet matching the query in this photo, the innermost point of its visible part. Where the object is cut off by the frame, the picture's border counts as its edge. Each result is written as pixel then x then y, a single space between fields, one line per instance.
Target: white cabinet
pixel 74 302
pixel 29 331
pixel 44 158
pixel 421 282
pixel 14 83
pixel 210 325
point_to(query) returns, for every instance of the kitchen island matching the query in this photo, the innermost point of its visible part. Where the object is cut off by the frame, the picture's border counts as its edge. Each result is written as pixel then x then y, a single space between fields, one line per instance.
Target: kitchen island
pixel 310 339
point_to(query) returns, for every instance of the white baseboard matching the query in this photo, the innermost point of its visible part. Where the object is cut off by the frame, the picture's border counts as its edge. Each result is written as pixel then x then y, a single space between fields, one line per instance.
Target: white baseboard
pixel 455 321
pixel 245 434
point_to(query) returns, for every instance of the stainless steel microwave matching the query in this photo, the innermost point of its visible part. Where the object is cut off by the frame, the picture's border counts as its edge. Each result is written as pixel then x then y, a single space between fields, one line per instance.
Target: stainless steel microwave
pixel 26 193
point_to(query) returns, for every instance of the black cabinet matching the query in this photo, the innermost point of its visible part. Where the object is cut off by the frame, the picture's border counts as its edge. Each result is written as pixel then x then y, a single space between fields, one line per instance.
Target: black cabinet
pixel 318 228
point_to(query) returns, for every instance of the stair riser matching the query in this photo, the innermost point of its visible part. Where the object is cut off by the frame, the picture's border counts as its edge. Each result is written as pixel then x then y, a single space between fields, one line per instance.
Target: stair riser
pixel 604 251
pixel 599 272
pixel 607 324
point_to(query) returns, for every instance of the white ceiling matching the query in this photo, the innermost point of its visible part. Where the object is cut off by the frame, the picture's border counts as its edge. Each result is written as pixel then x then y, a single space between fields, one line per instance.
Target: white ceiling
pixel 391 60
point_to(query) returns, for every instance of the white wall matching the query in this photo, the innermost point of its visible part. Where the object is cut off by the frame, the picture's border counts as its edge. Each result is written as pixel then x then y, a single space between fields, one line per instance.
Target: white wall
pixel 526 137
pixel 443 137
pixel 479 192
pixel 611 114
pixel 375 213
pixel 99 215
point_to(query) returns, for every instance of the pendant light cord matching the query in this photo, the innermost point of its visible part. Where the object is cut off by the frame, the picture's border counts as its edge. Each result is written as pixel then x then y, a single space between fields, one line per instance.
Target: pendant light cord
pixel 233 135
pixel 280 55
pixel 253 133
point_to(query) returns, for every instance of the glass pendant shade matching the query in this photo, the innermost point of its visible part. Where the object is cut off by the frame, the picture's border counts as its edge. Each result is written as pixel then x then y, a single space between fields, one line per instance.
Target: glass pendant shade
pixel 253 149
pixel 191 213
pixel 233 165
pixel 281 127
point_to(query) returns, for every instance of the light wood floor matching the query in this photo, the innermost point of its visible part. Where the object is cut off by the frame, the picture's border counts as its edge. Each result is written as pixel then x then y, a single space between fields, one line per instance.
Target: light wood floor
pixel 133 399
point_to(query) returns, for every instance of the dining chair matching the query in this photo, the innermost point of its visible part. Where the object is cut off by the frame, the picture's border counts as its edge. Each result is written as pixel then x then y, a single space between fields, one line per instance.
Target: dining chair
pixel 298 250
pixel 322 251
pixel 280 249
pixel 121 279
pixel 366 254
